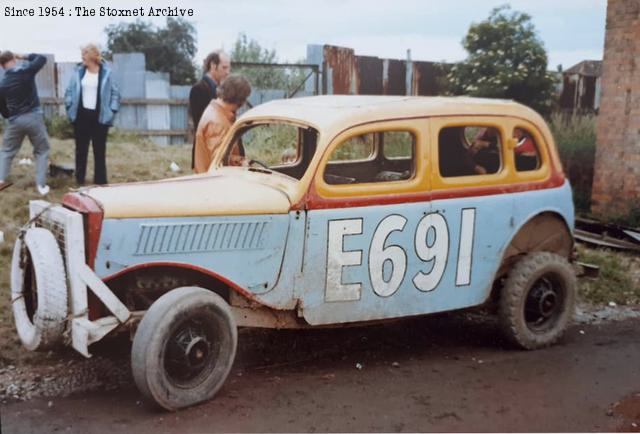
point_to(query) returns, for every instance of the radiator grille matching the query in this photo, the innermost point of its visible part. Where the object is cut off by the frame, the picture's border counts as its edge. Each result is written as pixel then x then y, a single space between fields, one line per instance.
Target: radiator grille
pixel 56 228
pixel 156 239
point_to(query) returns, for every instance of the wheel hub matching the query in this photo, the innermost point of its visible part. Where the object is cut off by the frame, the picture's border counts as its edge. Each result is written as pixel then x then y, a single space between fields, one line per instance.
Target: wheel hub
pixel 197 352
pixel 543 303
pixel 188 353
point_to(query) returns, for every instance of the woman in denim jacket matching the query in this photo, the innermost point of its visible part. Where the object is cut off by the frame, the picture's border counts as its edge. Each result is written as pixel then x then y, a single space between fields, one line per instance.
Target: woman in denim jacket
pixel 92 100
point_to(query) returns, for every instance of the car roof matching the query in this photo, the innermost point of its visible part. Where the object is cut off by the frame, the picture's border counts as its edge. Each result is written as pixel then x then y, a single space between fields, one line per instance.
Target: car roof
pixel 334 113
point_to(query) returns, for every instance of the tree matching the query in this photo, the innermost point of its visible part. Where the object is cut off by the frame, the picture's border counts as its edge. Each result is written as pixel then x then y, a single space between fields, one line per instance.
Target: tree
pixel 506 60
pixel 250 51
pixel 167 49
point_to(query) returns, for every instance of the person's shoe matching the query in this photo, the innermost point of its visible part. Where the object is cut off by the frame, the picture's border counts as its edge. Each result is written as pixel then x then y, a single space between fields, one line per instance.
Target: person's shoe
pixel 4 184
pixel 43 189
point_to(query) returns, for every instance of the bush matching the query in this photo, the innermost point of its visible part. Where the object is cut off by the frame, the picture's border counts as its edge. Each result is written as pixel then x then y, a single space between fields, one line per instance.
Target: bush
pixel 575 137
pixel 59 127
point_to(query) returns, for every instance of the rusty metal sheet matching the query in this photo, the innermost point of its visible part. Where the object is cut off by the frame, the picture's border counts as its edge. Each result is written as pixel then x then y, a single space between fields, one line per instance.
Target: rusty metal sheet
pixel 369 75
pixel 567 97
pixel 425 78
pixel 394 82
pixel 607 235
pixel 339 65
pixel 588 94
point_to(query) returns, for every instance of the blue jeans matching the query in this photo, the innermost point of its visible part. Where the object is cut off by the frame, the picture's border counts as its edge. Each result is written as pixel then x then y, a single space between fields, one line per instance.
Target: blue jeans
pixel 31 125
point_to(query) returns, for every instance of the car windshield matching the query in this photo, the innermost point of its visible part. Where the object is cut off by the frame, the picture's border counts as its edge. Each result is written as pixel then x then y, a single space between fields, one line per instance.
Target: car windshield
pixel 280 147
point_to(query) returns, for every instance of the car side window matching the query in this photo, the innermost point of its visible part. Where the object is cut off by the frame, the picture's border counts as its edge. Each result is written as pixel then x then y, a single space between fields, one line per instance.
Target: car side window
pixel 526 152
pixel 372 157
pixel 398 144
pixel 469 150
pixel 357 148
pixel 272 144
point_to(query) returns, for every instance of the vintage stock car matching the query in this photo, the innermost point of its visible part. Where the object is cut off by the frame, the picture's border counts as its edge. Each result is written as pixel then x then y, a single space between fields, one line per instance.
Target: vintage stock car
pixel 344 209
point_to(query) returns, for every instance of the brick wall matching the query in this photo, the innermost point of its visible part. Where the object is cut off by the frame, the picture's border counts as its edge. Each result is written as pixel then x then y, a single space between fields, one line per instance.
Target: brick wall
pixel 616 184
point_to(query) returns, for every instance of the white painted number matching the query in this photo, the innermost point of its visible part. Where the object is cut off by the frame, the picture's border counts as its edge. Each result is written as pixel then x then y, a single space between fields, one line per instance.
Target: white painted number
pixel 338 258
pixel 465 250
pixel 436 252
pixel 431 244
pixel 379 255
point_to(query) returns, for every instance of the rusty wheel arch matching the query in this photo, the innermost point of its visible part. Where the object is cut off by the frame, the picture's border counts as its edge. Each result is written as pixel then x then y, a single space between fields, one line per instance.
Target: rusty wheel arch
pixel 545 232
pixel 140 287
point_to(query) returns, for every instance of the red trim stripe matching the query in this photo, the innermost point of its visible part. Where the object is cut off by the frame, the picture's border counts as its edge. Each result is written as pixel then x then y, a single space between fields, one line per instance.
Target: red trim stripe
pixel 314 201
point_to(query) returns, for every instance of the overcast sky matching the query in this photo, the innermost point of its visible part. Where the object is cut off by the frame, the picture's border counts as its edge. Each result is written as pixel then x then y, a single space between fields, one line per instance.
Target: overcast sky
pixel 572 30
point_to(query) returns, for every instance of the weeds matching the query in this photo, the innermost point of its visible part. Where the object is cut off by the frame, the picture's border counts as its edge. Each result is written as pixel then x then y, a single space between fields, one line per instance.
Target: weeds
pixel 59 127
pixel 576 140
pixel 619 279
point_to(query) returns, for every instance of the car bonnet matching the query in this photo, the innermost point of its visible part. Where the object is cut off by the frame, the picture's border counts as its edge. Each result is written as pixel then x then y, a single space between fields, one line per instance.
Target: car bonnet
pixel 238 192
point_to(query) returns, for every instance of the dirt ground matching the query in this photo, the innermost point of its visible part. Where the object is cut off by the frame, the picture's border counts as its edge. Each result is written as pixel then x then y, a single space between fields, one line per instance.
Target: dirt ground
pixel 446 373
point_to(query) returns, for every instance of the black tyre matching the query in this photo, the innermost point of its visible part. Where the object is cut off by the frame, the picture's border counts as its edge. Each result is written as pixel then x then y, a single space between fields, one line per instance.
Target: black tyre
pixel 184 348
pixel 537 301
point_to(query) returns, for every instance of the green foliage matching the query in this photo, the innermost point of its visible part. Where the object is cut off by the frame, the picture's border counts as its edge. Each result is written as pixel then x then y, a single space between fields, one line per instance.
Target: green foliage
pixel 576 140
pixel 59 127
pixel 398 144
pixel 269 142
pixel 630 218
pixel 250 51
pixel 167 49
pixel 506 60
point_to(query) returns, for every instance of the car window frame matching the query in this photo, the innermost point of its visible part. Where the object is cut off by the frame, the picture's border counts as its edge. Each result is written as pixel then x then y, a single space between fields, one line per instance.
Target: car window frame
pixel 507 174
pixel 229 137
pixel 371 157
pixel 419 182
pixel 543 151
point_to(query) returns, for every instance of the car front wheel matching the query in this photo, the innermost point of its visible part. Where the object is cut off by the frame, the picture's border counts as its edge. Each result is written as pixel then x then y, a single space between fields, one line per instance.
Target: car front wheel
pixel 184 348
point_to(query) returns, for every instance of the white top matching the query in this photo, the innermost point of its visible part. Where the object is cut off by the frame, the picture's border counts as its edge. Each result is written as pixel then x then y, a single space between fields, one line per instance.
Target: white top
pixel 90 90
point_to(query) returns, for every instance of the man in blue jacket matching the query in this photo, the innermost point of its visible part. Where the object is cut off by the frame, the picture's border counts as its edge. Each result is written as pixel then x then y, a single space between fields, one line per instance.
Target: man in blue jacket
pixel 18 89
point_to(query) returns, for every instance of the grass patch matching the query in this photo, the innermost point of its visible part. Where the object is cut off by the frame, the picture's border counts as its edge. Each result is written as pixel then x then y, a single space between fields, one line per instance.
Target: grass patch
pixel 619 279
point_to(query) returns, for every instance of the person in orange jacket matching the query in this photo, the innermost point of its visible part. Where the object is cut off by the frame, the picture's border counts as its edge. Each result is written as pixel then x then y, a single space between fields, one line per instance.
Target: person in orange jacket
pixel 218 118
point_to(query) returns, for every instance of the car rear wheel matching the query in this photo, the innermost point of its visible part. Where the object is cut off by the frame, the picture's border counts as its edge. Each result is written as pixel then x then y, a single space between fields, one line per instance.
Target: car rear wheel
pixel 537 301
pixel 39 290
pixel 184 348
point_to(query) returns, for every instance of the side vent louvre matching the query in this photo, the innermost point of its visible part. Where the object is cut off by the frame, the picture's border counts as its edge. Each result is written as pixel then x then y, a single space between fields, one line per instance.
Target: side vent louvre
pixel 199 237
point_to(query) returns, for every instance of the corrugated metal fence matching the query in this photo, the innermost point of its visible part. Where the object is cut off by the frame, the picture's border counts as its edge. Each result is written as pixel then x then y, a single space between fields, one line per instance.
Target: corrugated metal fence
pixel 343 72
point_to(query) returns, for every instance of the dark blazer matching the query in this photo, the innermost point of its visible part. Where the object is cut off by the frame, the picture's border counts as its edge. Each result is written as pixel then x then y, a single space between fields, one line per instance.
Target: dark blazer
pixel 199 97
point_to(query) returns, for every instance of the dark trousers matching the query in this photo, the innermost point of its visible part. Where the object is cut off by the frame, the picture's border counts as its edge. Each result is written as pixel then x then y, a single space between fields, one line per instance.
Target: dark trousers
pixel 87 130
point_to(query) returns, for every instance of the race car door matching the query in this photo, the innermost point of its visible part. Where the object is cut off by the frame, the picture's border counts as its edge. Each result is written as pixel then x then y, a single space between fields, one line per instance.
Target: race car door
pixel 370 192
